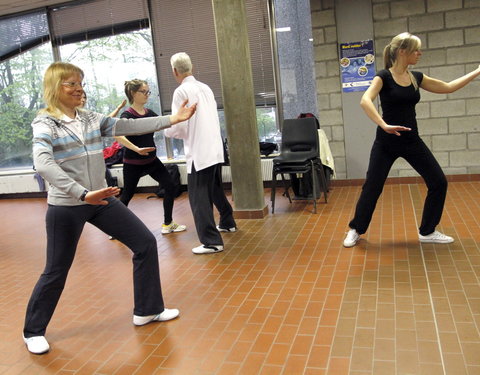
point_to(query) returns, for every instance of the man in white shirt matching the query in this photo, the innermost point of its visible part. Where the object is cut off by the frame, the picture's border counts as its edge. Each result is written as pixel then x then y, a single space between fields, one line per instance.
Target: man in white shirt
pixel 204 153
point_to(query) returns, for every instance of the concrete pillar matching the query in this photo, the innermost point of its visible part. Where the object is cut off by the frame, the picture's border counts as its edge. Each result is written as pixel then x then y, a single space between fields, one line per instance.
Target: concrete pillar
pixel 239 105
pixel 295 57
pixel 359 130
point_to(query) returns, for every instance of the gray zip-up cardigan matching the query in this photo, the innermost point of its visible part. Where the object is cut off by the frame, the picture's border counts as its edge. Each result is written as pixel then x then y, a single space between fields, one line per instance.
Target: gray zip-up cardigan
pixel 70 165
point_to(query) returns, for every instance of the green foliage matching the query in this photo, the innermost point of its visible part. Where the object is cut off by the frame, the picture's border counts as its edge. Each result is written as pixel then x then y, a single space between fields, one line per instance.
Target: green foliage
pixel 267 127
pixel 20 99
pixel 108 62
pixel 13 131
pixel 21 85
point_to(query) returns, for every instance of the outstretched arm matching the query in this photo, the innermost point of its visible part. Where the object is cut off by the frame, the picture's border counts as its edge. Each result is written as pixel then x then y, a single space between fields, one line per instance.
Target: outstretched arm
pixel 124 126
pixel 180 131
pixel 367 104
pixel 183 113
pixel 440 87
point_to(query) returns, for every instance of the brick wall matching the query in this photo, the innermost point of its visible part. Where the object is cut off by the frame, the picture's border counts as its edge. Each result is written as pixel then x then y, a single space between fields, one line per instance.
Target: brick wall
pixel 450 34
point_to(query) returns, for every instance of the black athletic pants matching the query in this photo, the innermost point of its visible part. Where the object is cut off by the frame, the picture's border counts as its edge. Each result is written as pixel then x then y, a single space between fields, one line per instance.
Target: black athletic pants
pixel 64 227
pixel 132 174
pixel 382 157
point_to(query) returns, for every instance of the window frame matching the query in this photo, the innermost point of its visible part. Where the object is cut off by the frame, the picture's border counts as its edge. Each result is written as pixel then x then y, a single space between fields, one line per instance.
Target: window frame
pixel 58 39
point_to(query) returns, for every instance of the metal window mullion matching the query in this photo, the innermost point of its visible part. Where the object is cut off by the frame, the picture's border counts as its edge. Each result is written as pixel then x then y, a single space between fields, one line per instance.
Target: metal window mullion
pixel 276 66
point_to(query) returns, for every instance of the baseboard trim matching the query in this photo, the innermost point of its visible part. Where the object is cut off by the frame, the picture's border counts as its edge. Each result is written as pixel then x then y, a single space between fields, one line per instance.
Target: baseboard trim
pixel 407 180
pixel 251 214
pixel 267 185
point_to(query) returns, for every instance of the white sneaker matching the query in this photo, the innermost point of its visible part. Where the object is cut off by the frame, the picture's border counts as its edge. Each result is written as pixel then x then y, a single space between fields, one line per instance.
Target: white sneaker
pixel 167 314
pixel 351 239
pixel 37 344
pixel 435 237
pixel 202 249
pixel 232 229
pixel 173 227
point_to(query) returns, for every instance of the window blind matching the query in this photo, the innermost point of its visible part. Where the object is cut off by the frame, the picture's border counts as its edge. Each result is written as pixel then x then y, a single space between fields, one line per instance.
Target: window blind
pixel 187 28
pixel 190 28
pixel 94 19
pixel 22 32
pixel 260 52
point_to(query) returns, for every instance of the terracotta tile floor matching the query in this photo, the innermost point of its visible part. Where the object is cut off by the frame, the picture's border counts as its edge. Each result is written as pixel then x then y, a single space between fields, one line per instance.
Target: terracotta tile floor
pixel 284 298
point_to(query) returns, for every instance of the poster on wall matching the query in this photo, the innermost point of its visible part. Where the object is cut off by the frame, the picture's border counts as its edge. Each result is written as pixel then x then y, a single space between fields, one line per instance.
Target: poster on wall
pixel 357 64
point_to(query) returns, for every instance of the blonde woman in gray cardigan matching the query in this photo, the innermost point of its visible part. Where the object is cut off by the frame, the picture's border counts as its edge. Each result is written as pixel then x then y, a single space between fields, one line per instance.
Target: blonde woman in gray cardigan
pixel 68 153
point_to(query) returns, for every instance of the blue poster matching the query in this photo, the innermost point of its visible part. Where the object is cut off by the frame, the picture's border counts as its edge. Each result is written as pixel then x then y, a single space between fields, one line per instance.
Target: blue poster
pixel 357 64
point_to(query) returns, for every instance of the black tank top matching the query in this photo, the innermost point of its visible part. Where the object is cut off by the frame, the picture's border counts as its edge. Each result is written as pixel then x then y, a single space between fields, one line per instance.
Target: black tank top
pixel 398 105
pixel 144 140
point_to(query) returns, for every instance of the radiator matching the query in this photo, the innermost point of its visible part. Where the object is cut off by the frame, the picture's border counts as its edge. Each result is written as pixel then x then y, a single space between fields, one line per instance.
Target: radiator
pixel 25 182
pixel 265 168
pixel 267 165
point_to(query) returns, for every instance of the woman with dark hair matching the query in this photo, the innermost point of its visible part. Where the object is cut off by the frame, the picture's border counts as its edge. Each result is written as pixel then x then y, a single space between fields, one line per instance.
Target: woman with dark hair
pixel 140 156
pixel 397 136
pixel 68 153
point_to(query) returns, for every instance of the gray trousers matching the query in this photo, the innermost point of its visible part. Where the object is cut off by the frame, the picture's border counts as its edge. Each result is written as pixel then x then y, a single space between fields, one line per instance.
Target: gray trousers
pixel 205 190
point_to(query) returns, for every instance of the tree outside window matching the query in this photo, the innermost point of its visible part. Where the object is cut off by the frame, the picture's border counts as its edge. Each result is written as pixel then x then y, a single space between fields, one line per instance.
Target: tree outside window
pixel 107 63
pixel 110 61
pixel 20 99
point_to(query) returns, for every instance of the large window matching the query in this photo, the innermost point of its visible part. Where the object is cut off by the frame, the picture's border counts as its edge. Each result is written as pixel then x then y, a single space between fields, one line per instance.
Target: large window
pixel 110 61
pixel 20 99
pixel 266 123
pixel 112 42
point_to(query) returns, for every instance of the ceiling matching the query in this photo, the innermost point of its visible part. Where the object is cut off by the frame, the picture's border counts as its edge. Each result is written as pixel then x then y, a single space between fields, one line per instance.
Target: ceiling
pixel 14 6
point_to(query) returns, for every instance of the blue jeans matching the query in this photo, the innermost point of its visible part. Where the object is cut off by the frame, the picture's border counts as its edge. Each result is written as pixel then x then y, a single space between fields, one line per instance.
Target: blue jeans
pixel 382 157
pixel 64 227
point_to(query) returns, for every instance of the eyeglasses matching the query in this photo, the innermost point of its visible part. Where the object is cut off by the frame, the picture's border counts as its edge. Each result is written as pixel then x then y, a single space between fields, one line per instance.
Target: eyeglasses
pixel 144 92
pixel 72 85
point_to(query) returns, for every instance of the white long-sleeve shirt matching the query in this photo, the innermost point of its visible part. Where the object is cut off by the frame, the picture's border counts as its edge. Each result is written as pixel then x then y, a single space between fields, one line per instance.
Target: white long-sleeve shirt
pixel 201 134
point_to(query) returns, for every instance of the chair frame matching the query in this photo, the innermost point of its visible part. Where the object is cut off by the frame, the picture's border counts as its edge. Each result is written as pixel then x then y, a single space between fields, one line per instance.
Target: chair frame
pixel 311 163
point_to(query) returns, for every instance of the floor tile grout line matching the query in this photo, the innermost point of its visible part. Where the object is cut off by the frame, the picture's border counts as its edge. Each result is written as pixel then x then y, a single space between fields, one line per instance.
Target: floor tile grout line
pixel 430 296
pixel 452 284
pixel 462 351
pixel 278 296
pixel 455 323
pixel 318 275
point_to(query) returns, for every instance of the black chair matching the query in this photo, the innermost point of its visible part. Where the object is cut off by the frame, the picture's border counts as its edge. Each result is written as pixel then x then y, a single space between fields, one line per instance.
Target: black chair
pixel 299 154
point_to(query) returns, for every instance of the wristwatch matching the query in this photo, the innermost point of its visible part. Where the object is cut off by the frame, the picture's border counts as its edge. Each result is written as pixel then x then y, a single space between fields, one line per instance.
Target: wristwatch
pixel 84 194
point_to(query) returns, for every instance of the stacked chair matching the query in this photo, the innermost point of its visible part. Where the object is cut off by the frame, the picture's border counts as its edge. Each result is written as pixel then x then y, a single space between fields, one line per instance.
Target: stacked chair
pixel 299 154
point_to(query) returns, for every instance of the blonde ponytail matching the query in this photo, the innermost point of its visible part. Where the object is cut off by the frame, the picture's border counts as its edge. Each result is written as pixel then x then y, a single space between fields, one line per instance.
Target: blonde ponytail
pixel 406 41
pixel 387 56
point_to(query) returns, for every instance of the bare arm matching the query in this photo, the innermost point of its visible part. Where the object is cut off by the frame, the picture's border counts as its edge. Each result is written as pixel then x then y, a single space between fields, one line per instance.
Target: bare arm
pixel 367 104
pixel 139 150
pixel 440 87
pixel 120 106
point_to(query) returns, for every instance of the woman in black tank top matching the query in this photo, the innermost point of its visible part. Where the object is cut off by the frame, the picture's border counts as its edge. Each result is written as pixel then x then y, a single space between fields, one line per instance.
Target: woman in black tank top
pixel 140 157
pixel 397 136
